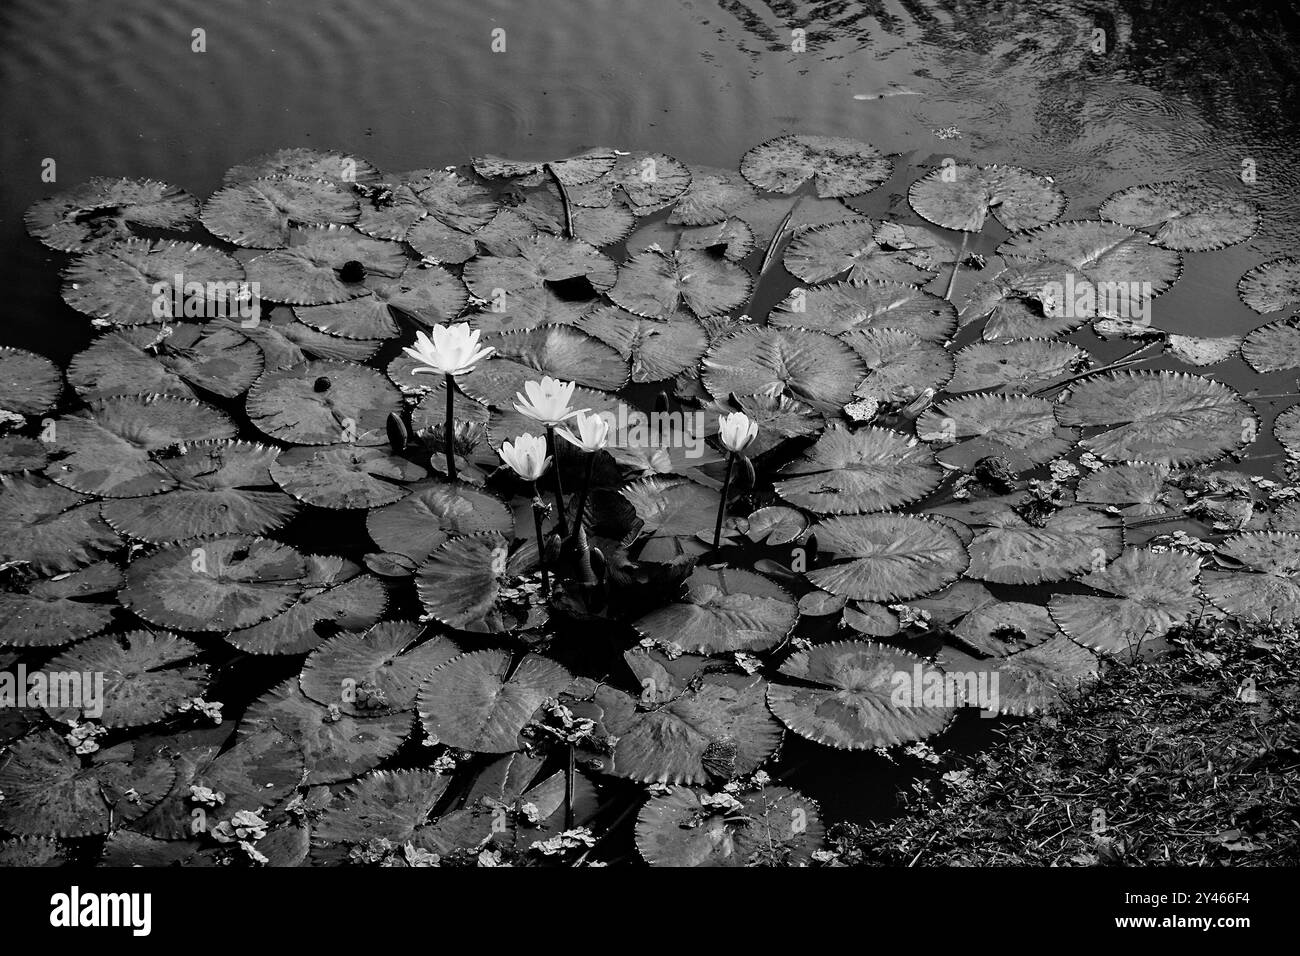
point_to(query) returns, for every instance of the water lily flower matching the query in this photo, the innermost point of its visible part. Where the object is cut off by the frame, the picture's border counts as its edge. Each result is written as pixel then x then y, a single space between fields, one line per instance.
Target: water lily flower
pixel 737 431
pixel 547 402
pixel 453 350
pixel 526 456
pixel 593 432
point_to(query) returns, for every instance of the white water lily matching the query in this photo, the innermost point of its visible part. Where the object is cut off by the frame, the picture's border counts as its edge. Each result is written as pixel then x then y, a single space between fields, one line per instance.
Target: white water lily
pixel 736 431
pixel 593 432
pixel 453 350
pixel 526 456
pixel 547 402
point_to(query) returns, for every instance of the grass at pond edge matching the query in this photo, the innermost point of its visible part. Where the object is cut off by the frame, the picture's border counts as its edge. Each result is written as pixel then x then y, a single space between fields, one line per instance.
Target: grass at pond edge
pixel 1165 762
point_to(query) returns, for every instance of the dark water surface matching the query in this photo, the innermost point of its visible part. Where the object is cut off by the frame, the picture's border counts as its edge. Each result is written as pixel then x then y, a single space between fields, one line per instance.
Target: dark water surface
pixel 1185 89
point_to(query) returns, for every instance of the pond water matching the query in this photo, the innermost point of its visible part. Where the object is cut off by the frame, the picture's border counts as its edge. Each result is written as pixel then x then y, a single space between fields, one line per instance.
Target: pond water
pixel 1181 90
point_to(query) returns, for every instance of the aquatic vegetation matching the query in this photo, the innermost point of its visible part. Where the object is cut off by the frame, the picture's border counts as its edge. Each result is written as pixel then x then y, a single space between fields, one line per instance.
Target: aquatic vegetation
pixel 484 516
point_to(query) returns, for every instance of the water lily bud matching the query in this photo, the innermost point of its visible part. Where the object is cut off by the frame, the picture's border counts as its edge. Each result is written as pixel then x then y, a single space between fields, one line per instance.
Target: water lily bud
pixel 526 456
pixel 453 350
pixel 547 402
pixel 736 431
pixel 593 432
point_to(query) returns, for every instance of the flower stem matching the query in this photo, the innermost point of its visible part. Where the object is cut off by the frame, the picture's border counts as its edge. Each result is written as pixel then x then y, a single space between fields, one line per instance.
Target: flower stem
pixel 449 438
pixel 586 487
pixel 722 505
pixel 538 509
pixel 570 775
pixel 553 451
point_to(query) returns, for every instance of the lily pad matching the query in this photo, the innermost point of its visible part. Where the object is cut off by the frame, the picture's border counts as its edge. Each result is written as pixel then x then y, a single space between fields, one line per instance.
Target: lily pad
pixel 218 585
pixel 461 583
pixel 59 610
pixel 145 676
pixel 1286 429
pixel 813 367
pixel 560 351
pixel 997 628
pixel 434 511
pixel 378 672
pixel 670 509
pixel 344 476
pixel 131 282
pixel 573 171
pixel 1073 540
pixel 859 251
pixel 221 487
pixel 1271 286
pixel 872 469
pixel 1019 428
pixel 1018 366
pixel 1274 347
pixel 50 528
pixel 889 557
pixel 101 211
pixel 480 702
pixel 1158 416
pixel 774 825
pixel 1186 216
pixel 657 284
pixel 325 264
pixel 657 348
pixel 712 196
pixel 263 213
pixel 386 805
pixel 863 696
pixel 649 181
pixel 324 403
pixel 960 196
pixel 840 307
pixel 426 294
pixel 723 610
pixel 1137 488
pixel 29 383
pixel 541 259
pixel 899 365
pixel 837 166
pixel 111 449
pixel 1143 595
pixel 307 163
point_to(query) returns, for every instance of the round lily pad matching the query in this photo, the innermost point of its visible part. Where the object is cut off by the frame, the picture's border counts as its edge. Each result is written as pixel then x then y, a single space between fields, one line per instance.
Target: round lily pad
pixel 774 825
pixel 461 583
pixel 960 196
pixel 656 284
pixel 657 348
pixel 386 805
pixel 872 469
pixel 102 211
pixel 263 213
pixel 1186 216
pixel 813 367
pixel 840 307
pixel 1271 286
pixel 325 264
pixel 324 403
pixel 899 365
pixel 427 294
pixel 541 259
pixel 1073 540
pixel 837 166
pixel 1020 428
pixel 859 251
pixel 55 611
pixel 378 672
pixel 712 196
pixel 1018 366
pixel 560 351
pixel 723 610
pixel 434 511
pixel 344 476
pixel 890 557
pixel 29 383
pixel 1274 347
pixel 649 181
pixel 49 527
pixel 307 163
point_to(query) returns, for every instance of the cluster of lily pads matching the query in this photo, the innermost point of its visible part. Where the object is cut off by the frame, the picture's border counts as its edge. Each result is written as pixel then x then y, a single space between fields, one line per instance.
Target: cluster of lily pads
pixel 333 503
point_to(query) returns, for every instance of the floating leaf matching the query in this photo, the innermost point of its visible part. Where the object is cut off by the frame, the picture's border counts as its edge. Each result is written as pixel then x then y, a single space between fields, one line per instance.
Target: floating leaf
pixel 560 351
pixel 1145 595
pixel 837 166
pixel 307 163
pixel 649 181
pixel 768 214
pixel 890 557
pixel 1274 347
pixel 142 672
pixel 19 453
pixel 864 696
pixel 874 620
pixel 674 742
pixel 387 805
pixel 599 226
pixel 670 509
pixel 325 264
pixel 1158 416
pixel 657 348
pixel 427 294
pixel 1005 627
pixel 864 251
pixel 263 213
pixel 841 307
pixel 899 365
pixel 776 524
pixel 29 383
pixel 1286 429
pixel 1019 366
pixel 1194 350
pixel 1271 286
pixel 336 747
pixel 541 259
pixel 344 476
pixel 336 597
pixel 50 528
pixel 101 211
pixel 1186 216
pixel 461 583
pixel 434 511
pixel 59 610
pixel 723 610
pixel 872 469
pixel 222 487
pixel 378 672
pixel 812 367
pixel 657 284
pixel 1019 428
pixel 131 282
pixel 48 791
pixel 479 702
pixel 713 195
pixel 222 584
pixel 774 825
pixel 285 341
pixel 109 450
pixel 960 196
pixel 324 403
pixel 731 238
pixel 1073 540
pixel 1136 487
pixel 1035 680
pixel 574 171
